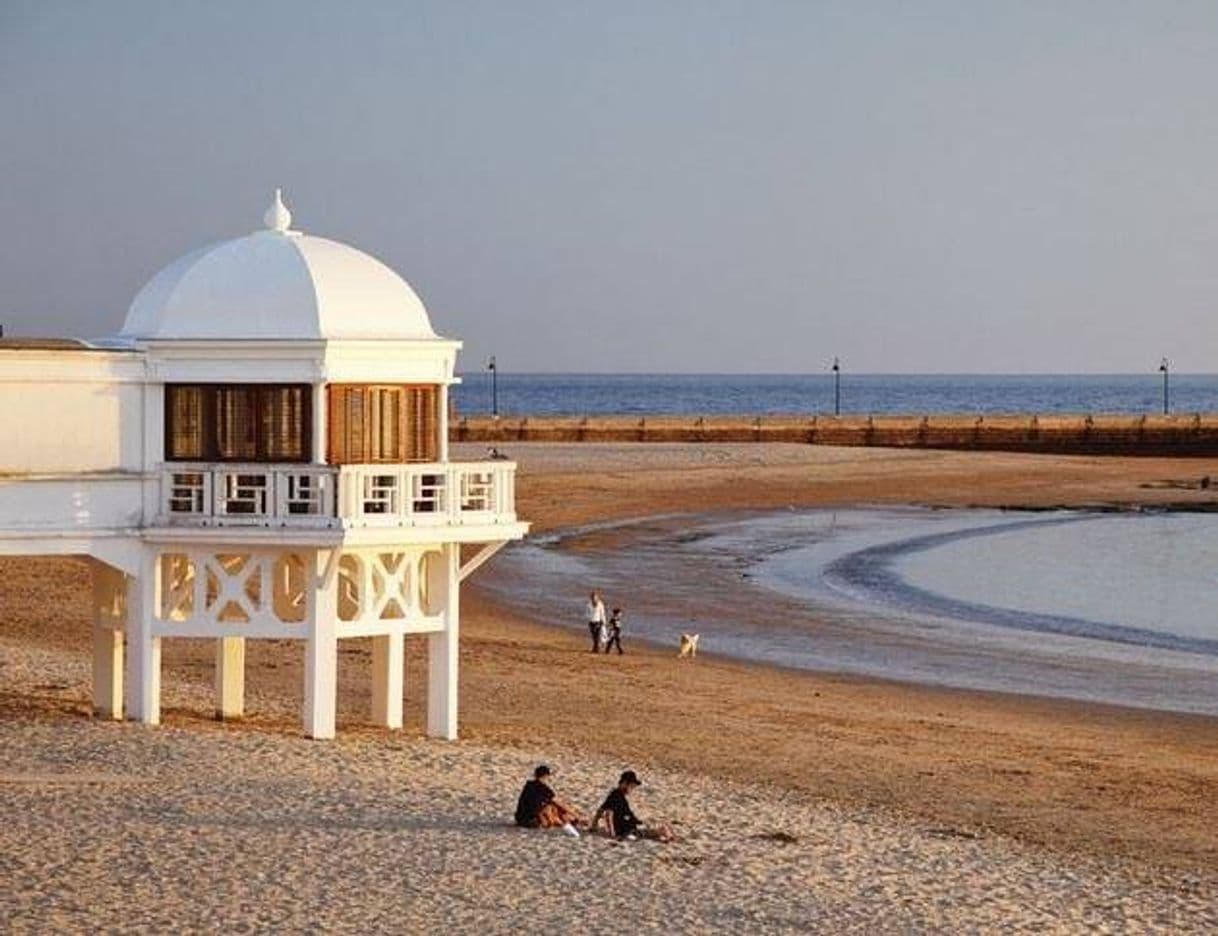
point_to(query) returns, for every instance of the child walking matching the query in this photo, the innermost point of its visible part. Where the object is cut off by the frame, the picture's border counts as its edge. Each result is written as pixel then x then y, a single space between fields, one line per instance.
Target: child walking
pixel 615 631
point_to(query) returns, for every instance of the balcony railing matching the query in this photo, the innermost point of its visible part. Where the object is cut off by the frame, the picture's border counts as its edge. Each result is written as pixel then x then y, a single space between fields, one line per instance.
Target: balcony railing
pixel 339 496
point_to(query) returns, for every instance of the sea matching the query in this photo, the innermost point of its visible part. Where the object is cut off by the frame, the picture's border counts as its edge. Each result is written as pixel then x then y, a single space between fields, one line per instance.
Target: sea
pixel 765 394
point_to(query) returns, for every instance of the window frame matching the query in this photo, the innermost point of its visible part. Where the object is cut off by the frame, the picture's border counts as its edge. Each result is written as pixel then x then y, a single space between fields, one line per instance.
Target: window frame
pixel 263 395
pixel 360 440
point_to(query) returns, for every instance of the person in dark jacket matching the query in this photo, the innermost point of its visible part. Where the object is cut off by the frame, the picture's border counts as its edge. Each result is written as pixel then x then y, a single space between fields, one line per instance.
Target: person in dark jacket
pixel 620 820
pixel 539 808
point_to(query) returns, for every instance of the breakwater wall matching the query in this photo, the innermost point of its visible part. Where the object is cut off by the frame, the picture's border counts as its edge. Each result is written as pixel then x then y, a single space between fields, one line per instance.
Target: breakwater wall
pixel 1191 434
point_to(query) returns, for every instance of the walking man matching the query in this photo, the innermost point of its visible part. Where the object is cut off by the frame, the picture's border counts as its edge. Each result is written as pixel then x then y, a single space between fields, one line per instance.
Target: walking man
pixel 594 613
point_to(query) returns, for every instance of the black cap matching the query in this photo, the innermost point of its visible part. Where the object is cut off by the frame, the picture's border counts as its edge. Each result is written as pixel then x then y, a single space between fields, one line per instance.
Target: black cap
pixel 629 776
pixel 541 771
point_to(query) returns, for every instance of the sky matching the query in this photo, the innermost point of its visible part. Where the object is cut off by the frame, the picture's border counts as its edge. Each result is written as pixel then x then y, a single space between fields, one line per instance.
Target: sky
pixel 721 187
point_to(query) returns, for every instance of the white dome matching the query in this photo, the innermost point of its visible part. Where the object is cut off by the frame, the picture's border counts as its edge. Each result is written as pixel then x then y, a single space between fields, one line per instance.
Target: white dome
pixel 277 284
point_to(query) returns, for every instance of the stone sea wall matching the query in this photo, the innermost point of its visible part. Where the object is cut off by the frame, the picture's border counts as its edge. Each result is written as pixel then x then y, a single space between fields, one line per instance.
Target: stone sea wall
pixel 1183 434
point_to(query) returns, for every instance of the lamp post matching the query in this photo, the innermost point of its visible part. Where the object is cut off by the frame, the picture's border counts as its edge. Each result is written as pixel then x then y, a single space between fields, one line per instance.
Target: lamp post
pixel 1164 367
pixel 837 386
pixel 490 366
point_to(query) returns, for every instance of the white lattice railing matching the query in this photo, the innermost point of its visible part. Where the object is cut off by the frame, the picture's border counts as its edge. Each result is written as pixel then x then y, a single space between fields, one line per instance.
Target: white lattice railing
pixel 350 495
pixel 416 495
pixel 248 494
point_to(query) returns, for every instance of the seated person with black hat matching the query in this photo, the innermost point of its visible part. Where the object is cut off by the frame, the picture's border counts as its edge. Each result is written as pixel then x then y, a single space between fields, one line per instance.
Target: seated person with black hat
pixel 620 820
pixel 538 808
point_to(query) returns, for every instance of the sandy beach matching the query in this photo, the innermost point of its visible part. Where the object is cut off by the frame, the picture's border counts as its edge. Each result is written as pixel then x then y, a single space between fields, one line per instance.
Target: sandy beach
pixel 804 800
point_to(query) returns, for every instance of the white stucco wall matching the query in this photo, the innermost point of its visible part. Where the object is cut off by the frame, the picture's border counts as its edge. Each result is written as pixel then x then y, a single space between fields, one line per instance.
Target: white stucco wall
pixel 97 502
pixel 70 411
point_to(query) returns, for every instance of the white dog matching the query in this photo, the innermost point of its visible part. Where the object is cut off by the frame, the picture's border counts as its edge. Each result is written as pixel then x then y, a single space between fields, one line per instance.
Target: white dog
pixel 689 645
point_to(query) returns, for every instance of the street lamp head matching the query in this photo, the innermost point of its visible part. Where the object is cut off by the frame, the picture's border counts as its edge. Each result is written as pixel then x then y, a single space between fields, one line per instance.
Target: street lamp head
pixel 490 365
pixel 1163 365
pixel 837 366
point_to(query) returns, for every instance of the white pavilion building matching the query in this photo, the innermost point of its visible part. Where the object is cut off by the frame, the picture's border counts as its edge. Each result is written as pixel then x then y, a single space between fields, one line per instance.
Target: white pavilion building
pixel 261 453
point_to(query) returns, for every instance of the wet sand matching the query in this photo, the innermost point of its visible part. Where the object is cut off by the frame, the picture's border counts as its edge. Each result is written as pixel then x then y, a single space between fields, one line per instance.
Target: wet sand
pixel 909 807
pixel 714 574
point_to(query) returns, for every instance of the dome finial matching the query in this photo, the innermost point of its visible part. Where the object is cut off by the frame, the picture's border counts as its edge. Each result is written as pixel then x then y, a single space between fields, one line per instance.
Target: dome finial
pixel 277 217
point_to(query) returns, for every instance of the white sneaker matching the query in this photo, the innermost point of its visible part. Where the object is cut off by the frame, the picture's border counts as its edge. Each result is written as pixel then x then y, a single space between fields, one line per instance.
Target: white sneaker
pixel 571 830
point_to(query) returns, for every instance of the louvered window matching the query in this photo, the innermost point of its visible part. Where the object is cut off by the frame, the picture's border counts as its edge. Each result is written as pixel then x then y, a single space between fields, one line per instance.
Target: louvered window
pixel 185 433
pixel 285 431
pixel 422 424
pixel 238 422
pixel 379 424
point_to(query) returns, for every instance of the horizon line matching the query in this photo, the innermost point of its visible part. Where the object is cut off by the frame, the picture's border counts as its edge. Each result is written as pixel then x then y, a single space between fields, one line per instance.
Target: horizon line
pixel 1155 374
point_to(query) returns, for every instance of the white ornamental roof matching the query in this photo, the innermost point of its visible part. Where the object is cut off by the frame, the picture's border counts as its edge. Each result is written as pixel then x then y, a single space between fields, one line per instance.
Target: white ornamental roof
pixel 277 284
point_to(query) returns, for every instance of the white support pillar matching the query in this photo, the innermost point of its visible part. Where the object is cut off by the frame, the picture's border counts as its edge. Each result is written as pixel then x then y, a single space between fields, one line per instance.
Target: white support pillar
pixel 230 677
pixel 320 424
pixel 109 616
pixel 442 668
pixel 321 647
pixel 388 673
pixel 108 673
pixel 442 421
pixel 143 649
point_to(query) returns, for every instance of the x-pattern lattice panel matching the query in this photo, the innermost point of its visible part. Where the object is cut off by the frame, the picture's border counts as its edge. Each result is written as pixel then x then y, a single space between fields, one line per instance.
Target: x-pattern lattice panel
pixel 377 585
pixel 219 592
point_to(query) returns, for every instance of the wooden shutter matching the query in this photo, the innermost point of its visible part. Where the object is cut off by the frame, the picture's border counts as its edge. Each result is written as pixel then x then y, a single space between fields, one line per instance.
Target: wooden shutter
pixel 410 420
pixel 238 422
pixel 422 425
pixel 347 411
pixel 382 424
pixel 357 424
pixel 431 427
pixel 236 408
pixel 285 417
pixel 336 416
pixel 384 418
pixel 391 423
pixel 185 423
